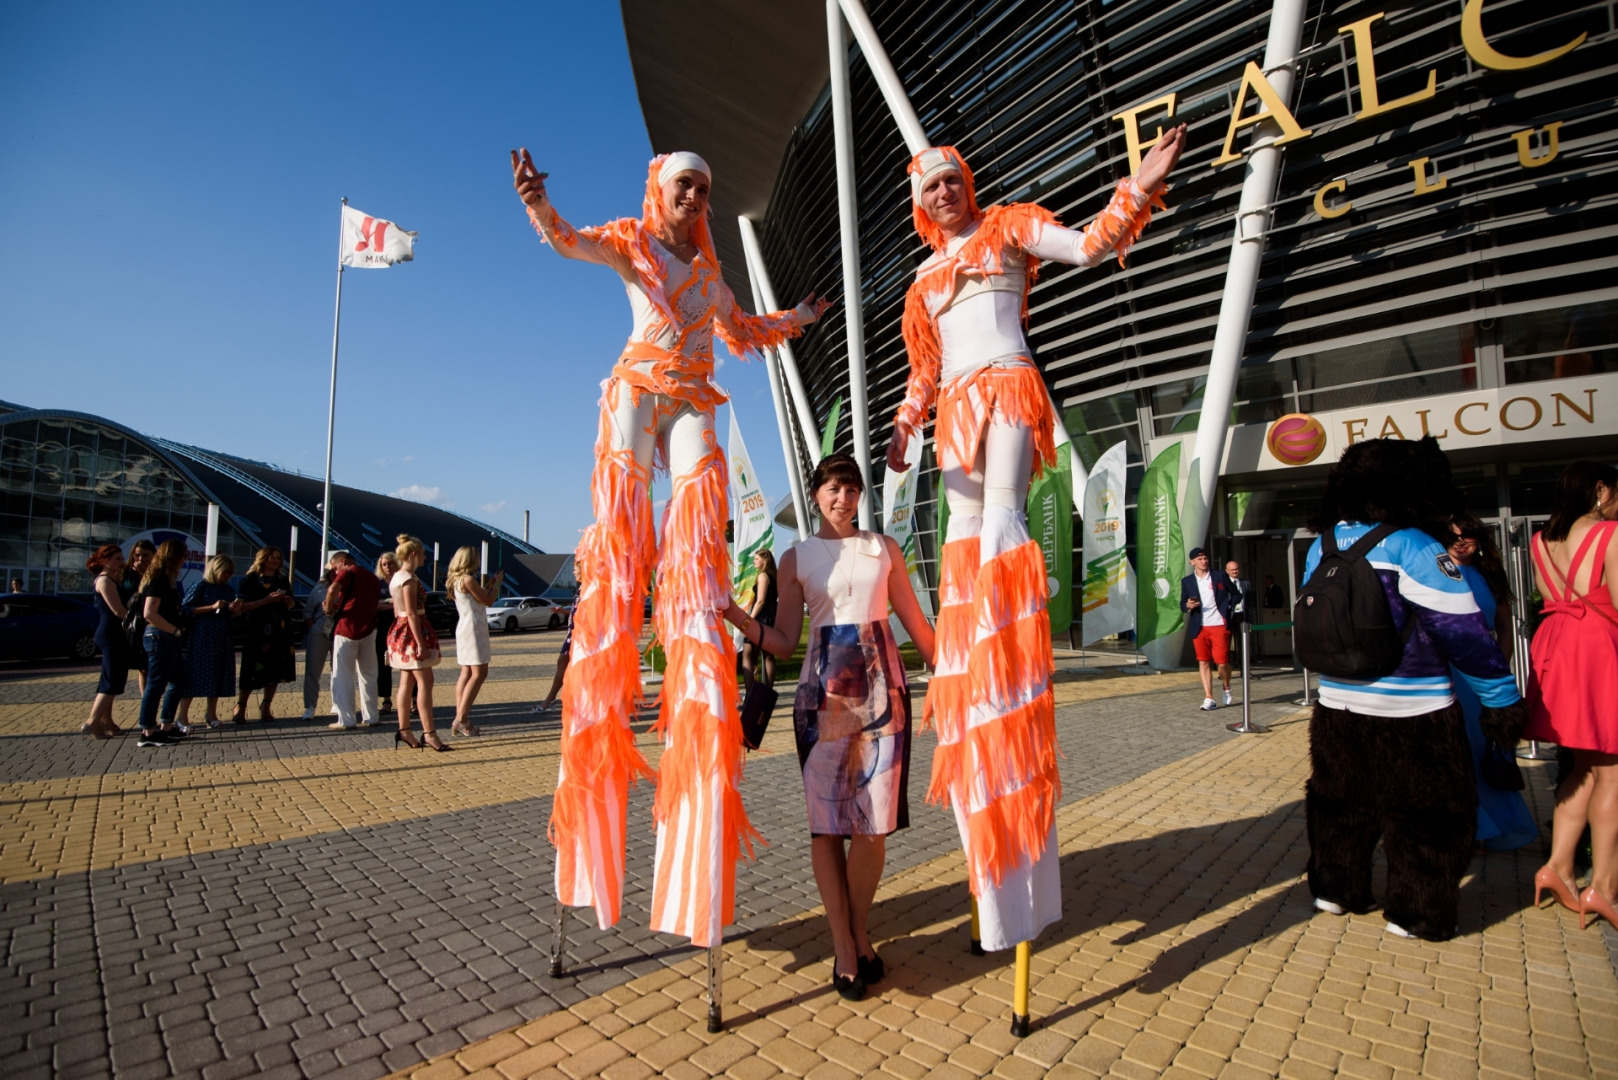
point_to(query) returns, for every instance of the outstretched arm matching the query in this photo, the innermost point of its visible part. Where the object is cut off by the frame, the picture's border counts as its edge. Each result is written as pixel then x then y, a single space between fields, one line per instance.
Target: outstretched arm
pixel 743 332
pixel 1125 217
pixel 568 242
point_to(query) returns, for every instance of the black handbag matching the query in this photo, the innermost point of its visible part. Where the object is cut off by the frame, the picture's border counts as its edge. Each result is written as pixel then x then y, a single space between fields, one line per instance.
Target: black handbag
pixel 757 708
pixel 1500 770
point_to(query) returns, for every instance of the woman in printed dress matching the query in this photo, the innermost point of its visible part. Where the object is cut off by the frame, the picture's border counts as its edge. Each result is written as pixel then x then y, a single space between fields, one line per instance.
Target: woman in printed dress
pixel 412 647
pixel 657 406
pixel 851 717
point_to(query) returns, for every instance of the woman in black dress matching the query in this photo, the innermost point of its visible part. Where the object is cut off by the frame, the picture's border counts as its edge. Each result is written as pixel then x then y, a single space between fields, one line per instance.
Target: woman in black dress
pixel 140 556
pixel 762 609
pixel 108 565
pixel 267 657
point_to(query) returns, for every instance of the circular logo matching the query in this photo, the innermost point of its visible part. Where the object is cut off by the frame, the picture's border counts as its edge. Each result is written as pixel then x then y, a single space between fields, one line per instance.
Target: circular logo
pixel 1053 585
pixel 1296 439
pixel 1161 588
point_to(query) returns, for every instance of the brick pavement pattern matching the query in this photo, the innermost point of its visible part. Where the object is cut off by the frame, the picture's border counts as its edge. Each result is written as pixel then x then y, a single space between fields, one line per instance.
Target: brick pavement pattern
pixel 285 901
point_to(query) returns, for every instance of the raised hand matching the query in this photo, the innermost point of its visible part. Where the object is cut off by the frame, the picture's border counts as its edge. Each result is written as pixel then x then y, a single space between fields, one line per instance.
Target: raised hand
pixel 529 182
pixel 816 308
pixel 1161 159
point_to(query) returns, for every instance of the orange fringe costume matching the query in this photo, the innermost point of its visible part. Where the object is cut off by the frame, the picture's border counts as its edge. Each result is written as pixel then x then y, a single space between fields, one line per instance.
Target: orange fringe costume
pixel 990 699
pixel 656 408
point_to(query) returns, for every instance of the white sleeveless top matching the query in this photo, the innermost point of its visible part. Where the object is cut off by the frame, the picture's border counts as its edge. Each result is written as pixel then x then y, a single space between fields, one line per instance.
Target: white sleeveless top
pixel 844 581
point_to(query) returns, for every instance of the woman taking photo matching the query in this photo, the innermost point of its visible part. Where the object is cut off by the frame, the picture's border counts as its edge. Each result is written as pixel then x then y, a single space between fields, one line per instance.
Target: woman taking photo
pixel 387 564
pixel 1575 682
pixel 108 566
pixel 471 632
pixel 267 657
pixel 140 557
pixel 762 608
pixel 412 646
pixel 159 598
pixel 851 717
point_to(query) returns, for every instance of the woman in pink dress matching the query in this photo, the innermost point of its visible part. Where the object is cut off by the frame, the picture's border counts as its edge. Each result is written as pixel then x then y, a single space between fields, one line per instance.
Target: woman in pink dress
pixel 1572 695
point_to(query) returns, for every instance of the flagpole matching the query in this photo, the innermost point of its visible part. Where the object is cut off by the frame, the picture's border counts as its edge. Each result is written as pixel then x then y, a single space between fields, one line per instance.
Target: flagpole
pixel 331 410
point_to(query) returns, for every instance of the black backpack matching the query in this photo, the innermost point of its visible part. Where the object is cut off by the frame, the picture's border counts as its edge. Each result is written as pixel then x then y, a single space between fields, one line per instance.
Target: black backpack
pixel 1341 624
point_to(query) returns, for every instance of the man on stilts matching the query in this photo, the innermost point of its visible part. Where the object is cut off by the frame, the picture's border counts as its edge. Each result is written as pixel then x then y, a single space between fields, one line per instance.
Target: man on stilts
pixel 990 699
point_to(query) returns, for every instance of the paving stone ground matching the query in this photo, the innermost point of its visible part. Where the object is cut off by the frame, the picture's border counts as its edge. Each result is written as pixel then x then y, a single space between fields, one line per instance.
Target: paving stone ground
pixel 284 901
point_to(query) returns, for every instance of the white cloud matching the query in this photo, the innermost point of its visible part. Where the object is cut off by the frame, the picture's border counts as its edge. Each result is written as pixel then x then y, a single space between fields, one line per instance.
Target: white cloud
pixel 418 493
pixel 493 507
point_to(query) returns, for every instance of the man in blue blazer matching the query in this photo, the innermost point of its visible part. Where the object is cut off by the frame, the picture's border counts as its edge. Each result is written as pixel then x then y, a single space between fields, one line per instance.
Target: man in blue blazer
pixel 1206 599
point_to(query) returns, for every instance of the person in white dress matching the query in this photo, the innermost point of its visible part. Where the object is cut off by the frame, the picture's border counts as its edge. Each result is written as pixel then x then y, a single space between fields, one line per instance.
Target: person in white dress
pixel 851 717
pixel 472 602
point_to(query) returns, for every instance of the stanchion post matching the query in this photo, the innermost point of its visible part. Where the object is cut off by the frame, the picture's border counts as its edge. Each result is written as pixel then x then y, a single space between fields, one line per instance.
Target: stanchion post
pixel 558 939
pixel 1246 727
pixel 716 992
pixel 1308 695
pixel 1019 997
pixel 977 934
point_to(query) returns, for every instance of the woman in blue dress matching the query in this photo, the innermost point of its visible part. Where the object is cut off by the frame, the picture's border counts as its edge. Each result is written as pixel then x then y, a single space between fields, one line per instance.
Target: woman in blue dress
pixel 1504 822
pixel 208 669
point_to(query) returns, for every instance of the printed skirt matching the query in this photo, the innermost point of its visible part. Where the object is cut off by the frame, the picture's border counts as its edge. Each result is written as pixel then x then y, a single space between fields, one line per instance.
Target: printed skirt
pixel 851 718
pixel 404 653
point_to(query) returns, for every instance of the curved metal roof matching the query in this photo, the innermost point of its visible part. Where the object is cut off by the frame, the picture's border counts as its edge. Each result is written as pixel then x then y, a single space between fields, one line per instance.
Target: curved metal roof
pixel 730 80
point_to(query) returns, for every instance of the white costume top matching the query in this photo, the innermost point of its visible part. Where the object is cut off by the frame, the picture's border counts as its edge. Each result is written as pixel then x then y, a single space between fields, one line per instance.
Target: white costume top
pixel 844 581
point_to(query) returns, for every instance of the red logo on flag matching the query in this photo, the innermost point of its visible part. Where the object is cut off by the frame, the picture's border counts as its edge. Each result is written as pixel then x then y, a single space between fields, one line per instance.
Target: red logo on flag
pixel 372 231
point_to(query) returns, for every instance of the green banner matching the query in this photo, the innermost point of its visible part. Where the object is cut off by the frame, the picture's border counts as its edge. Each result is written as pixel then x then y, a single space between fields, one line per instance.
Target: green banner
pixel 1050 523
pixel 1162 551
pixel 829 436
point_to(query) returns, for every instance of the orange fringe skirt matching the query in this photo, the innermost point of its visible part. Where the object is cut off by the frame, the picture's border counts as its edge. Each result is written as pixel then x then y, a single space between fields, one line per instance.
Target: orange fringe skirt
pixel 965 405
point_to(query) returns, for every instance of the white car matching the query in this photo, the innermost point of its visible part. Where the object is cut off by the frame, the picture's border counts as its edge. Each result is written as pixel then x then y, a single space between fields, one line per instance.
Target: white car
pixel 513 613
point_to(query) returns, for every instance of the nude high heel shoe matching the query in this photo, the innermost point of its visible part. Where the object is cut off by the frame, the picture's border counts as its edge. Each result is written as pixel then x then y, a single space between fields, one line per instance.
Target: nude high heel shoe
pixel 1593 903
pixel 1548 879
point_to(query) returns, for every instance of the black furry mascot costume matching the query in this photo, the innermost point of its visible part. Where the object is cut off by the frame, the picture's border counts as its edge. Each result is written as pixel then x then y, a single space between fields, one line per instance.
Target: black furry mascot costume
pixel 1389 756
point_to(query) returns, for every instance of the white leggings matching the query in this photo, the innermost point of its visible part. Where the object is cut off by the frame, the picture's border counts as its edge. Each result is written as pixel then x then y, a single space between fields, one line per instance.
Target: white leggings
pixel 992 496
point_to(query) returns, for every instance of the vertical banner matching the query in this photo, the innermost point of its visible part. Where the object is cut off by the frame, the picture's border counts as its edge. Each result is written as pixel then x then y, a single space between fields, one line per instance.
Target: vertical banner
pixel 1109 581
pixel 1162 551
pixel 1050 523
pixel 829 436
pixel 899 522
pixel 750 515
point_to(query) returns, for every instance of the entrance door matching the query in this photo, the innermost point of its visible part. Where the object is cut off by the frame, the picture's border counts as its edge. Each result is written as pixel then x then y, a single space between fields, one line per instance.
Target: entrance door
pixel 1515 535
pixel 1264 563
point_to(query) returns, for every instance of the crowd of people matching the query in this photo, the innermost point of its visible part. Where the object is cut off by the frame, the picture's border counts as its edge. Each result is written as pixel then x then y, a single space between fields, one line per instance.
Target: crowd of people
pixel 365 626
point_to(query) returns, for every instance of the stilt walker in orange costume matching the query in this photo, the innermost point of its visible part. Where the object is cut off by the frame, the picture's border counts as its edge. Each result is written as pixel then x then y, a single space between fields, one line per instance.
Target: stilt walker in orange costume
pixel 657 407
pixel 990 699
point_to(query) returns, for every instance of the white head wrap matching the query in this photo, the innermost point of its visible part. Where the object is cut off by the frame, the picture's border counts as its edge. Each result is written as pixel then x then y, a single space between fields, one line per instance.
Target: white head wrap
pixel 929 163
pixel 681 161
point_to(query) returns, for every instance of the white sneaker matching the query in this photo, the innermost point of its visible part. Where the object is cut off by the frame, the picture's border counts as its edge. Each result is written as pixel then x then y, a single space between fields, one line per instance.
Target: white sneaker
pixel 308 714
pixel 1208 704
pixel 1328 907
pixel 1227 697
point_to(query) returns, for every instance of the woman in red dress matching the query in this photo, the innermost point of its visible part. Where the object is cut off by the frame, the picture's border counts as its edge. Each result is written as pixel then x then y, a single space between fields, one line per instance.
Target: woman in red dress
pixel 1572 694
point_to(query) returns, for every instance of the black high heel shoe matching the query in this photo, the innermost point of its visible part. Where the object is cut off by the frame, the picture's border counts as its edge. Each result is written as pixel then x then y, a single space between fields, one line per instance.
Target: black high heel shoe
pixel 872 970
pixel 408 739
pixel 439 744
pixel 848 987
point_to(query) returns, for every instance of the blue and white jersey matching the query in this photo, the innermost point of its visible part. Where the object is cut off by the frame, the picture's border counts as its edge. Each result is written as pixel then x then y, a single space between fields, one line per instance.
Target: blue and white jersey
pixel 1422 582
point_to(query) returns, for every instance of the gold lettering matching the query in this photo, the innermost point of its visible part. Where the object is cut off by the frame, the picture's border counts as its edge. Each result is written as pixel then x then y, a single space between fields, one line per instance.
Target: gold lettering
pixel 1355 436
pixel 1131 121
pixel 1387 426
pixel 1462 428
pixel 1370 102
pixel 1559 399
pixel 1329 212
pixel 1419 167
pixel 1525 155
pixel 1486 55
pixel 1423 414
pixel 1274 109
pixel 1538 413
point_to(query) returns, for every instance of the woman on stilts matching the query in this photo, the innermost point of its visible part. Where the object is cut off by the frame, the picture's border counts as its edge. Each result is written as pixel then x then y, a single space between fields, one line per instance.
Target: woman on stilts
pixel 990 700
pixel 658 405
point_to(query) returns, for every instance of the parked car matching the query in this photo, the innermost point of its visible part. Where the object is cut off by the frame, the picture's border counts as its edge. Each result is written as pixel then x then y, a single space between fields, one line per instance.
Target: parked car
pixel 513 613
pixel 441 613
pixel 33 625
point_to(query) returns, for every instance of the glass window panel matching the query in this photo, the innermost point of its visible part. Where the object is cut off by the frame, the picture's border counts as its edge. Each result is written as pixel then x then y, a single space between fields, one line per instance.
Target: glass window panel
pixel 1561 343
pixel 1391 359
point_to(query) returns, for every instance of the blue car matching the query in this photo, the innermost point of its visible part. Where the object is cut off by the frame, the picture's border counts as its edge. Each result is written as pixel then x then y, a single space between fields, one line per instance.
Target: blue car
pixel 34 626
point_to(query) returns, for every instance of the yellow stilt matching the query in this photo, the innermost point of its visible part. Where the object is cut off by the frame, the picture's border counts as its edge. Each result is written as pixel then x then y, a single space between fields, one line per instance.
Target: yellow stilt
pixel 977 935
pixel 1019 993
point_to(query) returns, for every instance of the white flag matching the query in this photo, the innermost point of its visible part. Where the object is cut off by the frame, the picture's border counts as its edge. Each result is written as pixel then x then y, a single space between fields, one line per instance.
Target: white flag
pixel 372 242
pixel 899 522
pixel 750 516
pixel 1109 583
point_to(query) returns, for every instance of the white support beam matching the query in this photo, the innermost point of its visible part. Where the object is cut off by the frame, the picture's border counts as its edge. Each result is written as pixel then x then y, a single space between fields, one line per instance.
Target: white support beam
pixel 783 420
pixel 764 300
pixel 1241 278
pixel 848 219
pixel 893 91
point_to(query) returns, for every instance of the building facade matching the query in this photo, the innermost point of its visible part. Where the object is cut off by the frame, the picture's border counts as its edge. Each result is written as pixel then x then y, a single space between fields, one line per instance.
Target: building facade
pixel 1439 257
pixel 71 482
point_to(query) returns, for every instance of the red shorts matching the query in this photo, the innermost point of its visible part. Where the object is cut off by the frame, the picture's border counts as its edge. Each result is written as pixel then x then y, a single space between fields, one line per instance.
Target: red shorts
pixel 1213 643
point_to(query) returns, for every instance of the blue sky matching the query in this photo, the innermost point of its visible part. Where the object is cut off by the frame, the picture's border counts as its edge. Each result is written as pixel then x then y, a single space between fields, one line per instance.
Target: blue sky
pixel 169 186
